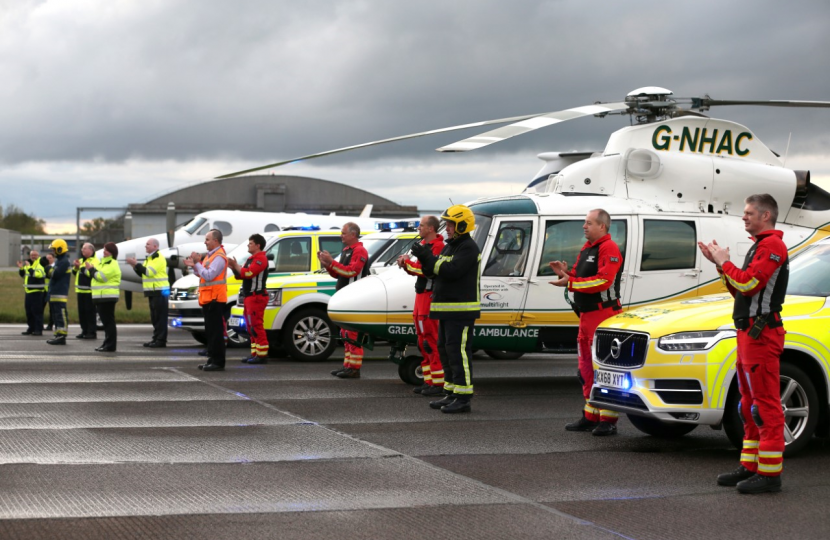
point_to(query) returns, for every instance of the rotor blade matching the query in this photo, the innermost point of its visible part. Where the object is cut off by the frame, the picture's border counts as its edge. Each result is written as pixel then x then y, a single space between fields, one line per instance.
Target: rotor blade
pixel 708 102
pixel 530 124
pixel 374 143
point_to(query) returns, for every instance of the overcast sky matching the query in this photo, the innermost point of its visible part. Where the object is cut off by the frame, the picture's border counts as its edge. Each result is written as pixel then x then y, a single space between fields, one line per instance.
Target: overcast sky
pixel 111 102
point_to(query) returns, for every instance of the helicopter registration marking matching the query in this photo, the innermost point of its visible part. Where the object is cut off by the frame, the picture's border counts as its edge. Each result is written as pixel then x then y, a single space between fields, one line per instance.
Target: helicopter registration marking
pixel 698 140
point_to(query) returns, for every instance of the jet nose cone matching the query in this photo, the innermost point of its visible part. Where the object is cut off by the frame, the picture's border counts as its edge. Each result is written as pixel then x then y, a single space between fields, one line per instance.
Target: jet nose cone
pixel 361 303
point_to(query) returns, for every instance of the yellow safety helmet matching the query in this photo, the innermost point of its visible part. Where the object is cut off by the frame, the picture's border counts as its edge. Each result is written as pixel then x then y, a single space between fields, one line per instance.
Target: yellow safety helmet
pixel 59 246
pixel 462 216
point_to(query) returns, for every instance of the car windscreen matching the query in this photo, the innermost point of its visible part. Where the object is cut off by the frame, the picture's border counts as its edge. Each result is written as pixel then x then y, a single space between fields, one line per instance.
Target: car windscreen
pixel 810 272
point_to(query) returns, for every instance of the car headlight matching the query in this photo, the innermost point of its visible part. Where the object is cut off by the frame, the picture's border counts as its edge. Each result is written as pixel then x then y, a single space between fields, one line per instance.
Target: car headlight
pixel 693 341
pixel 192 293
pixel 275 297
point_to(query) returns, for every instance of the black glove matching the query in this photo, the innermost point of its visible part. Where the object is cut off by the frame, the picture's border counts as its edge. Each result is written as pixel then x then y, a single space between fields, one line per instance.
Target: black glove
pixel 419 250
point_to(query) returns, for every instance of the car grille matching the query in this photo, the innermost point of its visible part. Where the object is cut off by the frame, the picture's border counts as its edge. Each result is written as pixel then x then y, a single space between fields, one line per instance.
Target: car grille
pixel 679 391
pixel 185 313
pixel 630 347
pixel 617 397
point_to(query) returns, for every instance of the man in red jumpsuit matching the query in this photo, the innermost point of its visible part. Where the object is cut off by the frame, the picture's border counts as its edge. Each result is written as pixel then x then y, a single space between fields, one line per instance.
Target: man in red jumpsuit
pixel 426 329
pixel 353 265
pixel 254 274
pixel 759 288
pixel 594 281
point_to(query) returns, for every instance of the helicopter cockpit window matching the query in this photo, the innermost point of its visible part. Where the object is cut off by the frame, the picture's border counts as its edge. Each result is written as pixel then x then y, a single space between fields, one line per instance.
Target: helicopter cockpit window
pixel 479 234
pixel 564 241
pixel 668 245
pixel 224 227
pixel 508 256
pixel 194 224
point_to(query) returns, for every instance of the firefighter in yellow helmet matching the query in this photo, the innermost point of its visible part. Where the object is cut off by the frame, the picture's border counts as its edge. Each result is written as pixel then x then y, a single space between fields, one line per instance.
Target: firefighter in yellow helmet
pixel 59 291
pixel 456 303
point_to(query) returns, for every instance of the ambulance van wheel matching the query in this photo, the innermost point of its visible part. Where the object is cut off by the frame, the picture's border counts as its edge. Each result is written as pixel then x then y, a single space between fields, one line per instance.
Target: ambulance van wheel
pixel 410 370
pixel 504 355
pixel 799 400
pixel 309 335
pixel 200 337
pixel 657 428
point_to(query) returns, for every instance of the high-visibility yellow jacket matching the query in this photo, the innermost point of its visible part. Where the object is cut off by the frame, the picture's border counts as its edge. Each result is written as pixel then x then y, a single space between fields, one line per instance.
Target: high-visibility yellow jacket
pixel 83 283
pixel 34 277
pixel 153 274
pixel 106 278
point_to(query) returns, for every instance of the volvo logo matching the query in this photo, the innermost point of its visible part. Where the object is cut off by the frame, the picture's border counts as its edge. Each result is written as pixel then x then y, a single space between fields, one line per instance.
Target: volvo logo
pixel 615 348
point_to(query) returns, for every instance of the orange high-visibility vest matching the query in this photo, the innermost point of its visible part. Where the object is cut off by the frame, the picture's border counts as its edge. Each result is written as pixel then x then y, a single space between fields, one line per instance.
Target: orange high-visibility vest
pixel 218 288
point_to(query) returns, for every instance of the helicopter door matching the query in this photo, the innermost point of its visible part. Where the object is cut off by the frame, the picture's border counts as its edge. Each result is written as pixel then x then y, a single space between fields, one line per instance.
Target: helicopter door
pixel 546 309
pixel 505 271
pixel 666 260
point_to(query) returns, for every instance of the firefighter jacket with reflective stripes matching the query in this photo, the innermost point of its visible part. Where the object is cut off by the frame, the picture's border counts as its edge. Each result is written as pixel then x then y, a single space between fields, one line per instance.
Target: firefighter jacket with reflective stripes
pixel 106 280
pixel 34 277
pixel 595 277
pixel 456 294
pixel 760 285
pixel 83 283
pixel 213 280
pixel 153 274
pixel 353 265
pixel 254 274
pixel 60 278
pixel 423 283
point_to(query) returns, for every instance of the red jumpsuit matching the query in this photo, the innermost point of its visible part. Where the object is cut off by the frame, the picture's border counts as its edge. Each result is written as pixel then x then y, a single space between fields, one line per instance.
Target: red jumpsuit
pixel 353 265
pixel 759 288
pixel 594 275
pixel 426 329
pixel 255 272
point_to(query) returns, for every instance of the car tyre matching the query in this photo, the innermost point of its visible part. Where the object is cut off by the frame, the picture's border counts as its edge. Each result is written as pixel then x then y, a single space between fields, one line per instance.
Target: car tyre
pixel 200 337
pixel 660 429
pixel 801 410
pixel 309 335
pixel 410 370
pixel 237 340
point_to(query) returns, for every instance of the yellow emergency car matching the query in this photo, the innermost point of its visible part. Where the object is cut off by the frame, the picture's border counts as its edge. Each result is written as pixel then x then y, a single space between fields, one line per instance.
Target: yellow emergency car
pixel 296 320
pixel 671 366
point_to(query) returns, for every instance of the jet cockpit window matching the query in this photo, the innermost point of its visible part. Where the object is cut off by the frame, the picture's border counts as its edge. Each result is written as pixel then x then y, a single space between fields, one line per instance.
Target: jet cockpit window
pixel 271 227
pixel 193 225
pixel 224 227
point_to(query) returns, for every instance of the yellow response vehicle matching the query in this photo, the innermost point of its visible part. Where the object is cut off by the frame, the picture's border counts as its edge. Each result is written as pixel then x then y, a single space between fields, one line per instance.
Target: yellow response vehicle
pixel 296 320
pixel 671 366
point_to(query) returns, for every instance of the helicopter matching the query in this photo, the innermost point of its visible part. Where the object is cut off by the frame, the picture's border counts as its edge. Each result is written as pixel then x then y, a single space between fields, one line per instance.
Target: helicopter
pixel 672 178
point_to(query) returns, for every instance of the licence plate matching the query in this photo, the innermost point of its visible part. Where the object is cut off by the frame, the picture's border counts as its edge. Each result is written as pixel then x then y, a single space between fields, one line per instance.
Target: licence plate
pixel 611 379
pixel 235 322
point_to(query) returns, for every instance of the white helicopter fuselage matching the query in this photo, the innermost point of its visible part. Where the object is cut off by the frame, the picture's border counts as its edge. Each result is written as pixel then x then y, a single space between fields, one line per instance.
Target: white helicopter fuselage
pixel 666 185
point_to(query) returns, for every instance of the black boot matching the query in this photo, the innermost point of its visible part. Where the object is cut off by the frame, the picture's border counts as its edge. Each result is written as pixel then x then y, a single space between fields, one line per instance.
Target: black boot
pixel 338 371
pixel 57 340
pixel 460 405
pixel 604 428
pixel 583 424
pixel 431 391
pixel 732 478
pixel 760 484
pixel 448 399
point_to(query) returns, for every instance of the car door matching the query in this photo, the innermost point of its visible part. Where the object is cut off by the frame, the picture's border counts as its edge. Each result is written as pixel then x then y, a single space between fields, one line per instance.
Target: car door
pixel 666 259
pixel 505 275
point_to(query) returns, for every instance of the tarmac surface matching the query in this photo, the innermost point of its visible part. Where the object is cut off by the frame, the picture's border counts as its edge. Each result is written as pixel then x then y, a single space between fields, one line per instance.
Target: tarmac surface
pixel 141 444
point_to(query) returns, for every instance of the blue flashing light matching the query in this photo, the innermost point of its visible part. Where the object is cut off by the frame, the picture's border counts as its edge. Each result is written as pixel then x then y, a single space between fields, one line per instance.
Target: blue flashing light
pixel 310 228
pixel 176 322
pixel 389 225
pixel 627 383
